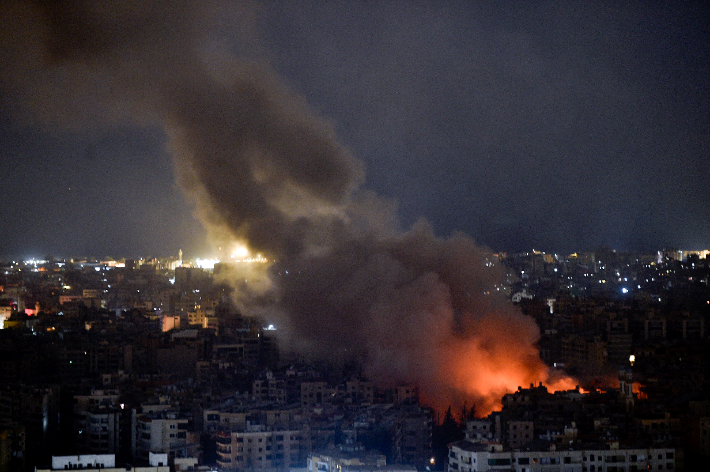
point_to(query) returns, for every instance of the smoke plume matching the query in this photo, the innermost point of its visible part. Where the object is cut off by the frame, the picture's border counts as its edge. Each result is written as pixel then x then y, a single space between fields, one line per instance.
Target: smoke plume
pixel 264 170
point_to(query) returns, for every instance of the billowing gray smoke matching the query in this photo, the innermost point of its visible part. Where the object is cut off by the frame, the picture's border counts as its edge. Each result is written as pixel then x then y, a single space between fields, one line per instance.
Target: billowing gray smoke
pixel 264 169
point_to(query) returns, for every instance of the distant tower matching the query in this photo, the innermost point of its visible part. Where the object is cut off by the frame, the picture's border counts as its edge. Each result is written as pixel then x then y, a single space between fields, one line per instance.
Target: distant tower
pixel 180 257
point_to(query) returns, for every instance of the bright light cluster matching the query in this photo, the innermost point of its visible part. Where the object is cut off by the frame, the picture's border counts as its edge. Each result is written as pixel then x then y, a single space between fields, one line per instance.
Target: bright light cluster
pixel 242 254
pixel 258 258
pixel 206 263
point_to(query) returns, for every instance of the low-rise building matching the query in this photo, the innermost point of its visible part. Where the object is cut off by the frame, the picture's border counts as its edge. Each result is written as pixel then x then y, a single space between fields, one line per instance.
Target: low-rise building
pixel 104 463
pixel 467 456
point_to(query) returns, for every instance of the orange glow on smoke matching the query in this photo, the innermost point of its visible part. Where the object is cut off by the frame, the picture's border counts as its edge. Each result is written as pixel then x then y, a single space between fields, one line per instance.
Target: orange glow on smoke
pixel 636 388
pixel 480 370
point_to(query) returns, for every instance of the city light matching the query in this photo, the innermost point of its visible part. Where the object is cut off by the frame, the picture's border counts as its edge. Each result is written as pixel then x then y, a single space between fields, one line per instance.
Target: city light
pixel 206 263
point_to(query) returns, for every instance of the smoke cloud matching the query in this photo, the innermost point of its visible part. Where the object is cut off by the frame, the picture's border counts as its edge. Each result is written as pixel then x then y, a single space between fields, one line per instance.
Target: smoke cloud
pixel 266 171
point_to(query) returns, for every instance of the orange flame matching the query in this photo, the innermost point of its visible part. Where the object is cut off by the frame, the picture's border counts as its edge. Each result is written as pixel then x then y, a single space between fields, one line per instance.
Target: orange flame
pixel 481 369
pixel 636 389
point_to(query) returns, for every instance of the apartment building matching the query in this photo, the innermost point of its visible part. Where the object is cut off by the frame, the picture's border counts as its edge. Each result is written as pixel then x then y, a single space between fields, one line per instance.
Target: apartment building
pixel 259 448
pixel 467 456
pixel 163 432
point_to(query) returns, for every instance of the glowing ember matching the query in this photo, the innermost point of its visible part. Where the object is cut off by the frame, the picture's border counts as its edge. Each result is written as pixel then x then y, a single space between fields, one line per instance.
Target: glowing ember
pixel 636 389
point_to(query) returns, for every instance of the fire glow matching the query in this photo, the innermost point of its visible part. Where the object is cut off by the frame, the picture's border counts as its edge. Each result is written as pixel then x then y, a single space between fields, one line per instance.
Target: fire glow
pixel 636 389
pixel 263 169
pixel 481 370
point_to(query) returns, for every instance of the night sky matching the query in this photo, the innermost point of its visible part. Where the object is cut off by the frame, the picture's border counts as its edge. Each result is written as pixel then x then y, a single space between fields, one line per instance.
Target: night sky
pixel 559 126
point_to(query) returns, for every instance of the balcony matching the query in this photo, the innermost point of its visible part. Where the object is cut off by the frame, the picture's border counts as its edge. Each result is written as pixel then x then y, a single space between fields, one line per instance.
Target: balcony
pixel 224 449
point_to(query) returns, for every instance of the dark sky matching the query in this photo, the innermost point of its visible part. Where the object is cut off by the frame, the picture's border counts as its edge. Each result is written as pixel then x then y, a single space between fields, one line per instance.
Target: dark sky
pixel 558 126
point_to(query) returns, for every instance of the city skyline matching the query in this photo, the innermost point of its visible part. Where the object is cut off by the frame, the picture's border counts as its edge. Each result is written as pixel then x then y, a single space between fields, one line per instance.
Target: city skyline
pixel 558 126
pixel 208 261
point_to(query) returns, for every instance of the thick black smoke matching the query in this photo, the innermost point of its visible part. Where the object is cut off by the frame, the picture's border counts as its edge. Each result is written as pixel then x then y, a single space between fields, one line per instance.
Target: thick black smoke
pixel 266 170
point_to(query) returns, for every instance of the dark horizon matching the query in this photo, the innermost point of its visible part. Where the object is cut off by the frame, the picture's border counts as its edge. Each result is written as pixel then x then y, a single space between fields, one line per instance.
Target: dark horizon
pixel 561 126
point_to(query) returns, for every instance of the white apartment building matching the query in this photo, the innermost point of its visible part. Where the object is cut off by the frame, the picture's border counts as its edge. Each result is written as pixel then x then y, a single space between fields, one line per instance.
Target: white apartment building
pixel 258 448
pixel 104 463
pixel 162 433
pixel 467 456
pixel 338 461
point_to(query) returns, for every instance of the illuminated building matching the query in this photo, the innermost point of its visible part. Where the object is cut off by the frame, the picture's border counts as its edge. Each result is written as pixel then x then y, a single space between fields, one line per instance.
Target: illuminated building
pixel 202 317
pixel 5 313
pixel 163 431
pixel 104 463
pixel 338 461
pixel 466 456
